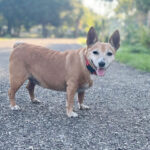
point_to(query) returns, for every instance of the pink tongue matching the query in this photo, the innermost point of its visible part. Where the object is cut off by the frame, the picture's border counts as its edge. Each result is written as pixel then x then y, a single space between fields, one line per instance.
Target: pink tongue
pixel 100 72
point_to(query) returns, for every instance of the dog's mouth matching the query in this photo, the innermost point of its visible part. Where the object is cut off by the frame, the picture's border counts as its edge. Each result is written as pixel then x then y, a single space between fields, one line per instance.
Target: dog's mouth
pixel 100 71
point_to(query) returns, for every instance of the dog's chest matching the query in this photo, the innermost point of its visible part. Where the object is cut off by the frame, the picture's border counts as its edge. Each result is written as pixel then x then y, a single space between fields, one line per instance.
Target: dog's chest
pixel 83 87
pixel 86 84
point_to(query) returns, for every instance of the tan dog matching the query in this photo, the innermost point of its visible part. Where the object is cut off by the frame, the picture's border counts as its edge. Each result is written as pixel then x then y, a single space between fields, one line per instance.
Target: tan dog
pixel 68 71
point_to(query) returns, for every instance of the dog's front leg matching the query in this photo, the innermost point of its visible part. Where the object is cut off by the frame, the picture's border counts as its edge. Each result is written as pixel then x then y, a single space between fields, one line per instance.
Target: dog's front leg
pixel 80 100
pixel 71 90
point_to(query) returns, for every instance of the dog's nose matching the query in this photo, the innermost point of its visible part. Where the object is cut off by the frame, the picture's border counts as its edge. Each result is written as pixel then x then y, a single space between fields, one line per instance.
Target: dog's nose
pixel 101 64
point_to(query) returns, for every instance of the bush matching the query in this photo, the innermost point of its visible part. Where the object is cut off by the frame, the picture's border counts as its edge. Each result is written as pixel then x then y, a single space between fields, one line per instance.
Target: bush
pixel 131 36
pixel 138 35
pixel 139 48
pixel 144 36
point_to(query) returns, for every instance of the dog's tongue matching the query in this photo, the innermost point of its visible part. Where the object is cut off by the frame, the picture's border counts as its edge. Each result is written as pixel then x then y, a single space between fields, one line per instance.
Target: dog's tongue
pixel 100 72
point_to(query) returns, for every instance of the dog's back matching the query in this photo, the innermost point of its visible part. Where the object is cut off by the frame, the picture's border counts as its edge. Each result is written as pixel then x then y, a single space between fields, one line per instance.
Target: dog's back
pixel 40 63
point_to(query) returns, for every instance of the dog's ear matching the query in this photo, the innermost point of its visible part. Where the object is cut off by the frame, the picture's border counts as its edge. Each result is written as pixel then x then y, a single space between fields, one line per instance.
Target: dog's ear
pixel 115 40
pixel 91 37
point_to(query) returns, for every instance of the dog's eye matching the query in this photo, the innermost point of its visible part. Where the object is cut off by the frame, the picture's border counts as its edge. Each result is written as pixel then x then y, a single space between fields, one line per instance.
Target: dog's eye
pixel 109 54
pixel 95 52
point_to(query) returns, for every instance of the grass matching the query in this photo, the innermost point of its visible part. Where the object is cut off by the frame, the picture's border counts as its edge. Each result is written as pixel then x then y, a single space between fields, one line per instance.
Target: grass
pixel 134 56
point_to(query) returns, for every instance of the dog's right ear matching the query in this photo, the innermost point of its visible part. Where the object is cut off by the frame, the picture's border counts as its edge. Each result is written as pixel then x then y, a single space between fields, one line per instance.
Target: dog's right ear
pixel 91 37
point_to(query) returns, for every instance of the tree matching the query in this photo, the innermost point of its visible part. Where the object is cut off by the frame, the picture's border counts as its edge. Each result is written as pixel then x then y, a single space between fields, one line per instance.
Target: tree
pixel 15 14
pixel 80 19
pixel 144 7
pixel 125 7
pixel 65 17
pixel 2 23
pixel 47 12
pixel 32 12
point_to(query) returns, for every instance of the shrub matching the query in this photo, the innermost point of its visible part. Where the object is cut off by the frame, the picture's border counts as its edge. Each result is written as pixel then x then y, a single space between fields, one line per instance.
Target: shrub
pixel 144 36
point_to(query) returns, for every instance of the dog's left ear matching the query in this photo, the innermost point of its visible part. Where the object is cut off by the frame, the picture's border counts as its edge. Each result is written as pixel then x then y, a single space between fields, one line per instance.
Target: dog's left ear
pixel 115 40
pixel 91 37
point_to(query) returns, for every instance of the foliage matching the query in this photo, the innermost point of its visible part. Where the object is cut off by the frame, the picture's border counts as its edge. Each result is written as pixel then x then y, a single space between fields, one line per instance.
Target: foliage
pixel 125 6
pixel 66 18
pixel 80 20
pixel 135 47
pixel 144 36
pixel 143 5
pixel 134 22
pixel 139 60
pixel 33 12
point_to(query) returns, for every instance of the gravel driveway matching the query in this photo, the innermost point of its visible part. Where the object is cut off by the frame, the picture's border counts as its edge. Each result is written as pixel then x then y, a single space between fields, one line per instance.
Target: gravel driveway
pixel 119 118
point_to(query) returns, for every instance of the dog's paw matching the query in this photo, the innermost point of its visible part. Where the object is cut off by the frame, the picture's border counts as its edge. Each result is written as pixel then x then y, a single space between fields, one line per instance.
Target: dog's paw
pixel 72 114
pixel 82 107
pixel 36 101
pixel 16 107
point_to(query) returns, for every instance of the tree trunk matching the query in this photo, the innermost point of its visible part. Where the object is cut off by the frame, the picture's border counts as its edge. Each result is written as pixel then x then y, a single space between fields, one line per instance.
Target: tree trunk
pixel 0 31
pixel 9 28
pixel 76 32
pixel 148 19
pixel 77 23
pixel 17 32
pixel 44 31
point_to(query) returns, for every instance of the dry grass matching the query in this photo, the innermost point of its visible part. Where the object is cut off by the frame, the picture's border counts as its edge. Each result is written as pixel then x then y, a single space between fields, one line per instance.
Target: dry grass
pixel 7 44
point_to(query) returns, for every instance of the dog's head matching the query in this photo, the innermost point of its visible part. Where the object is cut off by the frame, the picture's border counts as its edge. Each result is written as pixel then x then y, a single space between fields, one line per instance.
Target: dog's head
pixel 101 55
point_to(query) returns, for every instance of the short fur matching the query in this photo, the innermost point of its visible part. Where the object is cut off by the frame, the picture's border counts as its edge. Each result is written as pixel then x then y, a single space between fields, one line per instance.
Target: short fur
pixel 61 71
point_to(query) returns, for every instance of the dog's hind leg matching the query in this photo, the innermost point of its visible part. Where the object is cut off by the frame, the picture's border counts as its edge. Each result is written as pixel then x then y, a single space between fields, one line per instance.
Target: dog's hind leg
pixel 80 101
pixel 31 86
pixel 16 81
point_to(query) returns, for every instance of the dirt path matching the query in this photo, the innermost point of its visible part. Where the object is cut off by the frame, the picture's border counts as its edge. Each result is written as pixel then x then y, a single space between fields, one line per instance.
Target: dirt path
pixel 119 118
pixel 6 44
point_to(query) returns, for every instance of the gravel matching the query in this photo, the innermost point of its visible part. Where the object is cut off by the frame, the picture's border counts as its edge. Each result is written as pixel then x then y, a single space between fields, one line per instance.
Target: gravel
pixel 119 118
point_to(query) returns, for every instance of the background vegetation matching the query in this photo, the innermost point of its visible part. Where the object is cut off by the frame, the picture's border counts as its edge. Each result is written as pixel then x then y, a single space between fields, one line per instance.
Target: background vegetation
pixel 45 18
pixel 70 18
pixel 134 18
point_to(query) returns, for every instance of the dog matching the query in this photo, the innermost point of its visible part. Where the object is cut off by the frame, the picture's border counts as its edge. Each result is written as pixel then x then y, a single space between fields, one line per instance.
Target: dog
pixel 68 71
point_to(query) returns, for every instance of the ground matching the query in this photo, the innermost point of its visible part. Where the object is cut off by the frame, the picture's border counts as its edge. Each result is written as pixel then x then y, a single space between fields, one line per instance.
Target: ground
pixel 119 118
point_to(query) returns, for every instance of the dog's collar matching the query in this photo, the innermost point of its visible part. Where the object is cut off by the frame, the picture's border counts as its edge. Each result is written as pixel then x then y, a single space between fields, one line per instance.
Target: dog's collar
pixel 89 67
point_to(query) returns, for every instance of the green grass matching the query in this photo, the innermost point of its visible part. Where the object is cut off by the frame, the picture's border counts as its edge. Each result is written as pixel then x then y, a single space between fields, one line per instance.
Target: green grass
pixel 139 60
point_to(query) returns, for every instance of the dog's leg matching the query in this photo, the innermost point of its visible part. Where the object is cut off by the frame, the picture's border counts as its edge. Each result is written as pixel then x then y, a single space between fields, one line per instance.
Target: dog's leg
pixel 71 90
pixel 15 84
pixel 30 86
pixel 11 94
pixel 80 100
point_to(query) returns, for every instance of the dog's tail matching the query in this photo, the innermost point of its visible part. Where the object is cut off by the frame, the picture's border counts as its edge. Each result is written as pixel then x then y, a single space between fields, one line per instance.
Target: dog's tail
pixel 17 44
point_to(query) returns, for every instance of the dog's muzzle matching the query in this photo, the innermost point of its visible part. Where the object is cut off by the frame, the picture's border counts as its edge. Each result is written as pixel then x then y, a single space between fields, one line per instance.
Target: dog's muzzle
pixel 101 64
